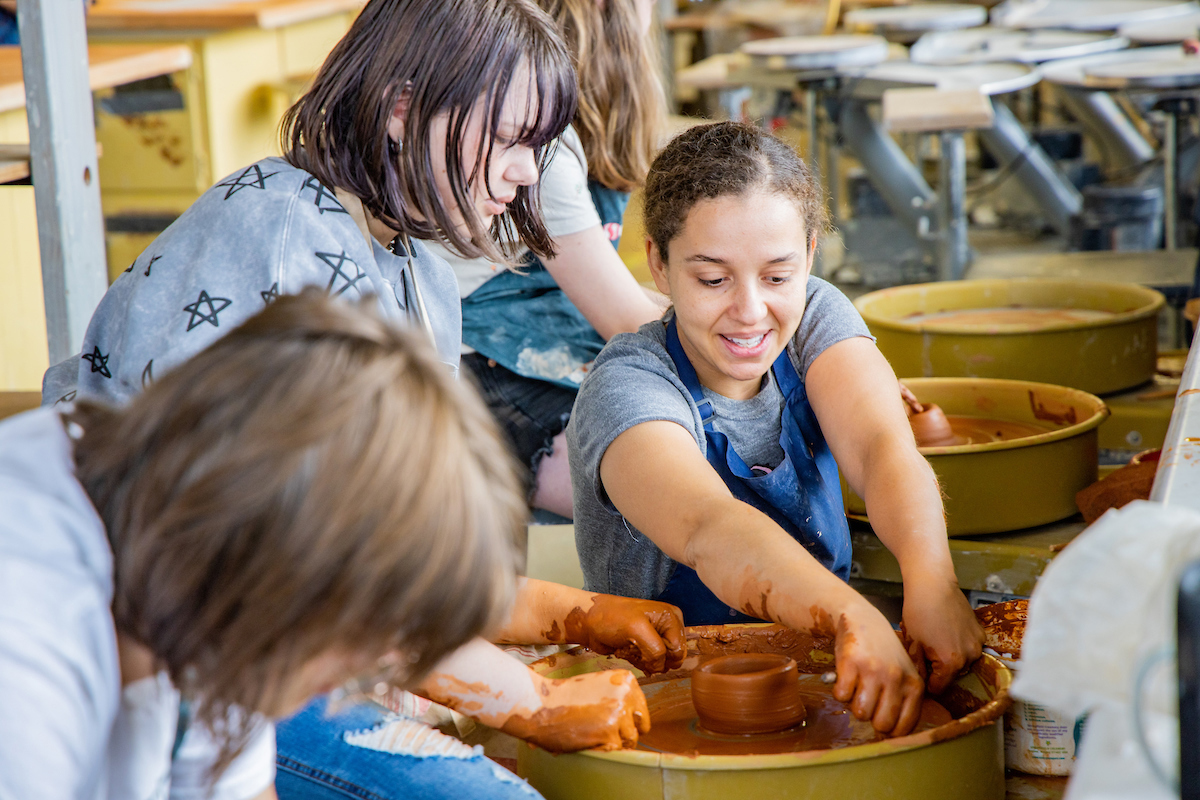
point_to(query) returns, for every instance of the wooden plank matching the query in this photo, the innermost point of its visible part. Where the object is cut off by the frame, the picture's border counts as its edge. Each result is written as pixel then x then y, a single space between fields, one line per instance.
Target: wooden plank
pixel 16 402
pixel 13 170
pixel 927 110
pixel 108 65
pixel 176 15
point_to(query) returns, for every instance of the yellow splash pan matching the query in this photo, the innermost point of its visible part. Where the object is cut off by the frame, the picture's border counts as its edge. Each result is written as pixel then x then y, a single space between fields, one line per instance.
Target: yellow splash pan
pixel 964 758
pixel 1009 485
pixel 1098 356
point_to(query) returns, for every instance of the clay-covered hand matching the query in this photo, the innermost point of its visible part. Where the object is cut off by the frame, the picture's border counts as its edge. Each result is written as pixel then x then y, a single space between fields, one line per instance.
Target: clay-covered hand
pixel 874 673
pixel 940 628
pixel 603 710
pixel 646 633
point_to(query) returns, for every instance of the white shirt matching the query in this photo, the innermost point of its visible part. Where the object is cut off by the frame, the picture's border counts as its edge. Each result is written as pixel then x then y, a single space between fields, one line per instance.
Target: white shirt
pixel 67 729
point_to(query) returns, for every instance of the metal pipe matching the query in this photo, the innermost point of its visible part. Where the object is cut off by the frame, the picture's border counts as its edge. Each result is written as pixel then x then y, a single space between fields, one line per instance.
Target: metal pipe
pixel 1008 142
pixel 1170 176
pixel 814 134
pixel 893 175
pixel 1105 120
pixel 953 252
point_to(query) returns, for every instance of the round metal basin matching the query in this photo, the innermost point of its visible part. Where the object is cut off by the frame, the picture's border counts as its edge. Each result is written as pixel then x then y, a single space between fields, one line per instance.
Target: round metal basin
pixel 964 758
pixel 1009 485
pixel 1096 355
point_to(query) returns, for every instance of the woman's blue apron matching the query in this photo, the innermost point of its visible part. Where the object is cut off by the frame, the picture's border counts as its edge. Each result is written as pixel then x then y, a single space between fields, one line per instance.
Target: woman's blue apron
pixel 803 494
pixel 524 322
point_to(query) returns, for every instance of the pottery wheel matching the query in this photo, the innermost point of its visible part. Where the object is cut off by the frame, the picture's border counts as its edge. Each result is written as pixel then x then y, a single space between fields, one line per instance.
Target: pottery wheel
pixel 988 79
pixel 1080 72
pixel 982 45
pixel 942 16
pixel 829 725
pixel 1087 15
pixel 818 52
pixel 1168 31
pixel 1180 72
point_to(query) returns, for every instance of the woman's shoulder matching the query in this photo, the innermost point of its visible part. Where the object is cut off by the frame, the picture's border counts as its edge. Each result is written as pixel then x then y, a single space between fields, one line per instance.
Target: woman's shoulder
pixel 829 317
pixel 644 349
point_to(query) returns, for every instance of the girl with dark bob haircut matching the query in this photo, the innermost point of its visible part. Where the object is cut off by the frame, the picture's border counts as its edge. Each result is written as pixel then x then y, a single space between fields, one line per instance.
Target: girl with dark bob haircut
pixel 706 448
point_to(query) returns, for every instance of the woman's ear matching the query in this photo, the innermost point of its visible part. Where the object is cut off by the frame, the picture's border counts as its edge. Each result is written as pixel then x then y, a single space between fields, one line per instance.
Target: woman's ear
pixel 812 255
pixel 658 267
pixel 395 126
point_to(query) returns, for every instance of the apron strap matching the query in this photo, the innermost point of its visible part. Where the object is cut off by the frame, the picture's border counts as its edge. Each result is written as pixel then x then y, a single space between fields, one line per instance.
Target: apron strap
pixel 687 374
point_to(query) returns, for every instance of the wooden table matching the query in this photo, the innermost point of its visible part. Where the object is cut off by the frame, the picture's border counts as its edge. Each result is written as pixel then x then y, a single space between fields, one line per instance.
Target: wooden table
pixel 161 15
pixel 165 144
pixel 23 351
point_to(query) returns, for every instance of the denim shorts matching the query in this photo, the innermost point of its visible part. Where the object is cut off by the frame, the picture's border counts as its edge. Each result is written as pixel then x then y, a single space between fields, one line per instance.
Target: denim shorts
pixel 531 412
pixel 365 753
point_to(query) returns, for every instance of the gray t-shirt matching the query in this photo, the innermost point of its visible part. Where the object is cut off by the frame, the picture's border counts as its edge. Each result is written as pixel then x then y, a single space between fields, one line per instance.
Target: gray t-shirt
pixel 633 381
pixel 268 230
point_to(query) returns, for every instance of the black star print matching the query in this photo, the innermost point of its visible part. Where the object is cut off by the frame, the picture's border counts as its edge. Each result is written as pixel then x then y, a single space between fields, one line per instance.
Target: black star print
pixel 130 267
pixel 258 181
pixel 66 398
pixel 336 266
pixel 323 193
pixel 150 265
pixel 99 361
pixel 215 306
pixel 271 295
pixel 148 373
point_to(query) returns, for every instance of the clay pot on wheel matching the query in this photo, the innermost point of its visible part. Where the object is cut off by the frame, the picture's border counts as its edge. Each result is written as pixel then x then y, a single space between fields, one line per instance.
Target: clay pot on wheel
pixel 931 428
pixel 748 693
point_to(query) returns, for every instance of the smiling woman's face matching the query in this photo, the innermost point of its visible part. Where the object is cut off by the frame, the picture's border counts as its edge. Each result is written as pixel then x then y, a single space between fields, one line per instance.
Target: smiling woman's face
pixel 737 274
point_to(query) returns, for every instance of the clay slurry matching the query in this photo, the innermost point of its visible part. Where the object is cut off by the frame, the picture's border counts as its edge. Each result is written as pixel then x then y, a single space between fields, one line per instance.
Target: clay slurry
pixel 934 428
pixel 1008 320
pixel 828 724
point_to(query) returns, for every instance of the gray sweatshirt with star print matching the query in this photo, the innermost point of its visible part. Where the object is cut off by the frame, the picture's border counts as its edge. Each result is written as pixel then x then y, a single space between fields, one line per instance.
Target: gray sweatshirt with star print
pixel 268 230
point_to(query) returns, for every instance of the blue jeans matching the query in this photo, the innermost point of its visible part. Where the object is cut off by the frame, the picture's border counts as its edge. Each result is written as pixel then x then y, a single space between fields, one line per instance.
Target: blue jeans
pixel 367 753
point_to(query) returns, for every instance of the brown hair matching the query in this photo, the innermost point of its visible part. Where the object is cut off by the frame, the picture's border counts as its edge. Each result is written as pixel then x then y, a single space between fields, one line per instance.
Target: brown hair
pixel 447 54
pixel 313 479
pixel 725 158
pixel 621 105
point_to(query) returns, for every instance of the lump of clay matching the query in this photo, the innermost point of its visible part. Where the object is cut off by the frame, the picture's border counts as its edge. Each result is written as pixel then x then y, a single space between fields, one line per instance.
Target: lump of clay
pixel 748 693
pixel 1129 483
pixel 931 428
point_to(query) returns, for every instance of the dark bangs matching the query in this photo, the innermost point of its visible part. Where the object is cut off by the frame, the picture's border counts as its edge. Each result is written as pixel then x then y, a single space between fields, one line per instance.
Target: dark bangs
pixel 457 57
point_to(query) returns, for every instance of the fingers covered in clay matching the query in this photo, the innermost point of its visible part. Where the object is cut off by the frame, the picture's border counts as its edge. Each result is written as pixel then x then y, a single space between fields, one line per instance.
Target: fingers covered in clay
pixel 941 629
pixel 876 676
pixel 646 633
pixel 601 710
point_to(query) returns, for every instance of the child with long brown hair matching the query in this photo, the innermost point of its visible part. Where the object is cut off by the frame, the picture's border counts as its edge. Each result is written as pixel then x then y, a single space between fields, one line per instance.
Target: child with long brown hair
pixel 535 330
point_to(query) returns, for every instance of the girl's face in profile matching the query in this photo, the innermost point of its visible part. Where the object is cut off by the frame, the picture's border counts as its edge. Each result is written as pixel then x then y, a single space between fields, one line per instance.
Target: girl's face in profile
pixel 512 164
pixel 737 275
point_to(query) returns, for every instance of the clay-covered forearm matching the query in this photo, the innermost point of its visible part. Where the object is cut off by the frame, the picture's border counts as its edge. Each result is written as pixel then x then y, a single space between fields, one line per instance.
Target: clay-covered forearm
pixel 767 574
pixel 540 613
pixel 603 709
pixel 484 683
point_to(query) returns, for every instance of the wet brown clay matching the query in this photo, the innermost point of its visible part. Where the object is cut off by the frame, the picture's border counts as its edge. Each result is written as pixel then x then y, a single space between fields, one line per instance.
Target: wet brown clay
pixel 748 693
pixel 931 428
pixel 1014 318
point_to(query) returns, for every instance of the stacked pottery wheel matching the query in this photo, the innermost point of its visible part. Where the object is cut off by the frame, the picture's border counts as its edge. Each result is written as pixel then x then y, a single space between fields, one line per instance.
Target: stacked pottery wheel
pixel 1007 374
